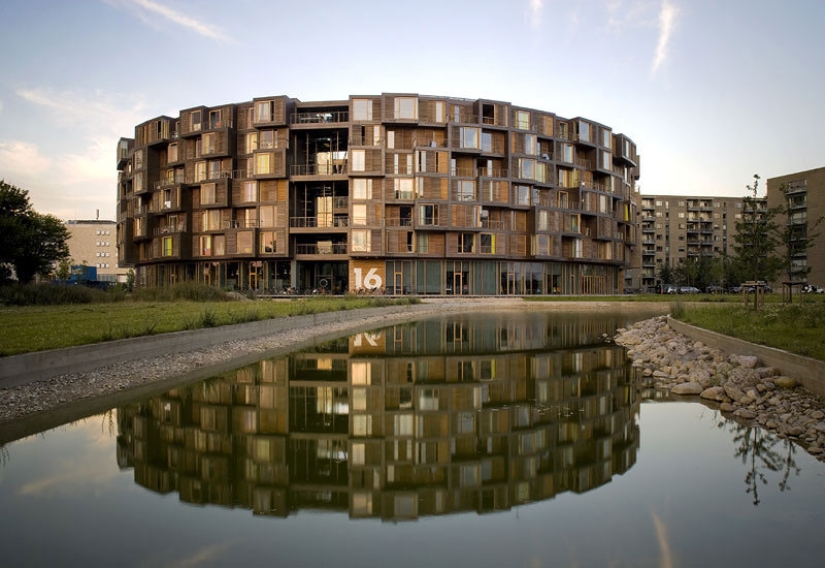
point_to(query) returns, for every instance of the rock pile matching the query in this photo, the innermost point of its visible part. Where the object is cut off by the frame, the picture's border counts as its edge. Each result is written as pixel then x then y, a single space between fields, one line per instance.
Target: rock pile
pixel 736 383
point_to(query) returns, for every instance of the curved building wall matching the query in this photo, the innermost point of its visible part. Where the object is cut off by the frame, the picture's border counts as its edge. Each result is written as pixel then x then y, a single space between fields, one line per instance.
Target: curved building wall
pixel 393 193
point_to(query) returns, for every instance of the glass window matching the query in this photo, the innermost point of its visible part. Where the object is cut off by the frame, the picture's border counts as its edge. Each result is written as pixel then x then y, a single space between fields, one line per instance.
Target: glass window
pixel 522 194
pixel 206 245
pixel 359 214
pixel 428 214
pixel 167 246
pixel 263 163
pixel 584 131
pixel 208 194
pixel 466 190
pixel 607 138
pixel 196 120
pixel 200 171
pixel 139 159
pixel 268 242
pixel 567 153
pixel 440 112
pixel 527 168
pixel 249 191
pixel 607 161
pixel 263 111
pixel 251 142
pixel 471 138
pixel 358 160
pixel 268 215
pixel 267 140
pixel 220 245
pixel 530 146
pixel 361 240
pixel 487 141
pixel 522 119
pixel 361 109
pixel 208 144
pixel 406 108
pixel 362 188
pixel 173 153
pixel 403 188
pixel 245 242
pixel 466 242
pixel 214 169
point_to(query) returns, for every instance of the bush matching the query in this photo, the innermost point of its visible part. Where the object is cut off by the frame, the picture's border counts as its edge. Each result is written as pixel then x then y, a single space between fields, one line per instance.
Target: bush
pixel 51 295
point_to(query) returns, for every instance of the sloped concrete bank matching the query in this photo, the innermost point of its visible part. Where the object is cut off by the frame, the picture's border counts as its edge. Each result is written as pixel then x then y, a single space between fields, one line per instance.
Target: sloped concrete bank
pixel 742 383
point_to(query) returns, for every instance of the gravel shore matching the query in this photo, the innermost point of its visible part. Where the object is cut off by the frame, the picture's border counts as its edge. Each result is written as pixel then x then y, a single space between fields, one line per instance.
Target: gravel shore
pixel 736 384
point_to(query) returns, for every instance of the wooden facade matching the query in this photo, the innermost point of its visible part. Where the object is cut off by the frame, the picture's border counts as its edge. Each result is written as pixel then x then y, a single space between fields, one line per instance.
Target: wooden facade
pixel 392 192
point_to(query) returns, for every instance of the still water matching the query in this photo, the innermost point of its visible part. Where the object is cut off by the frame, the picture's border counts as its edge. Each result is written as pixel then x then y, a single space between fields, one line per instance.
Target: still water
pixel 494 440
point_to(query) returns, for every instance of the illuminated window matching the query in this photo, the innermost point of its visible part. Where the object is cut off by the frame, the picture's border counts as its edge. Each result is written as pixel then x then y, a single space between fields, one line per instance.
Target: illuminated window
pixel 167 246
pixel 249 191
pixel 268 215
pixel 359 214
pixel 361 240
pixel 362 188
pixel 251 142
pixel 245 242
pixel 268 243
pixel 206 245
pixel 200 171
pixel 263 163
pixel 522 119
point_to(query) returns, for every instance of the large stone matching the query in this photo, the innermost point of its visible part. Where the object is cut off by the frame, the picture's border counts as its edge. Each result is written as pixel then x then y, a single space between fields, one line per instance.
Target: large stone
pixel 785 382
pixel 745 414
pixel 687 388
pixel 734 392
pixel 713 393
pixel 747 361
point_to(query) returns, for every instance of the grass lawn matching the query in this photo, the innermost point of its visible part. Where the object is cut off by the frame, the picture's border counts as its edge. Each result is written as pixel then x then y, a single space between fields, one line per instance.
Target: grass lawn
pixel 798 328
pixel 36 328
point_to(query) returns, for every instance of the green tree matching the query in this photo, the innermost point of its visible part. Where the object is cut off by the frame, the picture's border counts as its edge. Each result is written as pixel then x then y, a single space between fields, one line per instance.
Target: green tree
pixel 757 238
pixel 64 269
pixel 32 242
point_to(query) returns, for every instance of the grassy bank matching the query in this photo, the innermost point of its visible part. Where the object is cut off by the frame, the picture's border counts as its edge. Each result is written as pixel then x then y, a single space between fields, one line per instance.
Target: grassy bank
pixel 36 328
pixel 798 328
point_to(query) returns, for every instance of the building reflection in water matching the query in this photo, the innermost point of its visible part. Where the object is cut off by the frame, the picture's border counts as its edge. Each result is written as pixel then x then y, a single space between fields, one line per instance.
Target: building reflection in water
pixel 433 417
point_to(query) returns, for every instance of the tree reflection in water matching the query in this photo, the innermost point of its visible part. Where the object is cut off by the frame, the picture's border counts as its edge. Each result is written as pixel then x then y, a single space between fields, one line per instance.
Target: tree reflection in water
pixel 763 453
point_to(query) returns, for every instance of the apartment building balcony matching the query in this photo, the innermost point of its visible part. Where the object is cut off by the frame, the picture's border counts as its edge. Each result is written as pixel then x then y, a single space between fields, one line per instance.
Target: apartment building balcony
pixel 319 118
pixel 321 248
pixel 324 222
pixel 169 229
pixel 338 168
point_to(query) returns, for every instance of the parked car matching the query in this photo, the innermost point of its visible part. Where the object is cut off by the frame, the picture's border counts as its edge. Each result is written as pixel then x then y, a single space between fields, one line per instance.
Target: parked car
pixel 751 289
pixel 689 290
pixel 715 290
pixel 812 289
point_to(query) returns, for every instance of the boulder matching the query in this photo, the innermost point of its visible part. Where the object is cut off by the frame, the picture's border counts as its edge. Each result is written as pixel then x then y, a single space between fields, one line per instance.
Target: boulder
pixel 713 393
pixel 687 388
pixel 785 382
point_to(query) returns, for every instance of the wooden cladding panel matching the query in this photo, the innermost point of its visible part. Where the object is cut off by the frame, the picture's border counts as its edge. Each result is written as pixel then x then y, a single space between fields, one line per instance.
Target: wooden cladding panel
pixel 273 190
pixel 437 188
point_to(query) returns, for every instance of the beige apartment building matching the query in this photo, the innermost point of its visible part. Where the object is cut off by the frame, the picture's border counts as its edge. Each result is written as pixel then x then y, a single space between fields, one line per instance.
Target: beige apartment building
pixel 674 228
pixel 94 243
pixel 401 193
pixel 805 193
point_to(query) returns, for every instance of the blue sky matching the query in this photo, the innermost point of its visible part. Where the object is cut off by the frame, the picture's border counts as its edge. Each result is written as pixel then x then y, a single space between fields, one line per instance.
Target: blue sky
pixel 711 91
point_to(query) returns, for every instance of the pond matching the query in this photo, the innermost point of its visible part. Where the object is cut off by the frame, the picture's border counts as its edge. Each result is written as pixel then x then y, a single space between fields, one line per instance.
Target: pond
pixel 473 440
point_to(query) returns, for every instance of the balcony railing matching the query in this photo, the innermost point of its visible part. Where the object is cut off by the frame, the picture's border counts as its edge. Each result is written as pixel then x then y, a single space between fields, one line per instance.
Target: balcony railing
pixel 320 117
pixel 168 229
pixel 340 167
pixel 322 248
pixel 323 222
pixel 398 222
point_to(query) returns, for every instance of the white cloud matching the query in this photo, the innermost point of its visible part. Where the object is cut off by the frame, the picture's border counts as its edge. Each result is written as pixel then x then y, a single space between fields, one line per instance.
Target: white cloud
pixel 93 112
pixel 149 10
pixel 668 17
pixel 534 13
pixel 21 159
